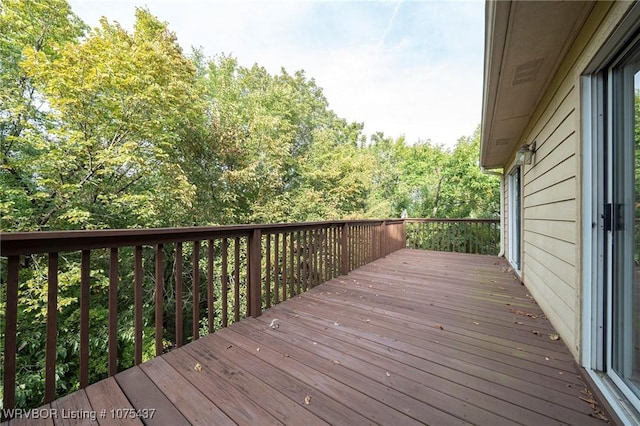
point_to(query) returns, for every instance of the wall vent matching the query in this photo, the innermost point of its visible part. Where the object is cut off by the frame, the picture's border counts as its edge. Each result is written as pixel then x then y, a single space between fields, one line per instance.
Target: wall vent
pixel 527 72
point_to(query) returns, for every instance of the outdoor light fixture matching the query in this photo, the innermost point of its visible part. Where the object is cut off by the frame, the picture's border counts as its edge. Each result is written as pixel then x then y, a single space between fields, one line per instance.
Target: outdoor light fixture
pixel 525 154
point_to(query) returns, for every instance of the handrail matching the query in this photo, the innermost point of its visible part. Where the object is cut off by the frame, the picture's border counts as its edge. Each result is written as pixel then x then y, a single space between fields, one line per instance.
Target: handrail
pixel 184 270
pixel 26 243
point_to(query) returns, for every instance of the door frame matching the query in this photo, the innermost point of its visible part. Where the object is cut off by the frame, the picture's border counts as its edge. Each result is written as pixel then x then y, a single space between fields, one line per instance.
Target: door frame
pixel 515 211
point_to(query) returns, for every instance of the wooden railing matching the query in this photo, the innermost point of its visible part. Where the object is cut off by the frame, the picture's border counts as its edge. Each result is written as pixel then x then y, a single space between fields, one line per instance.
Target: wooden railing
pixel 170 286
pixel 158 279
pixel 479 236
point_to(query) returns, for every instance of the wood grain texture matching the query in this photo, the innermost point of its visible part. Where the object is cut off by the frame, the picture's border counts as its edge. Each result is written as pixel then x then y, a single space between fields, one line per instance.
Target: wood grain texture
pixel 418 337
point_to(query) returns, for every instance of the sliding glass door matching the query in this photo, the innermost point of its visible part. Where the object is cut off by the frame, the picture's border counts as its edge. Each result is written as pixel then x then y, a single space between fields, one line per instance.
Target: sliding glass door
pixel 622 211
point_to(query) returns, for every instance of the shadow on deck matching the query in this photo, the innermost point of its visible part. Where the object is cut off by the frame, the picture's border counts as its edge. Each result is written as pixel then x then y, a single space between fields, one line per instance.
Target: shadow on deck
pixel 416 337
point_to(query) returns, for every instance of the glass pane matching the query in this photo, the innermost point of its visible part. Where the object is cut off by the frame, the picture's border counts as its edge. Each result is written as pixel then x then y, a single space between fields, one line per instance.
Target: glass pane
pixel 626 283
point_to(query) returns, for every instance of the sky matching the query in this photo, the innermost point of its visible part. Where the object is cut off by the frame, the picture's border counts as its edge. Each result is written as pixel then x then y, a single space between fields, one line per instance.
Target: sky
pixel 411 68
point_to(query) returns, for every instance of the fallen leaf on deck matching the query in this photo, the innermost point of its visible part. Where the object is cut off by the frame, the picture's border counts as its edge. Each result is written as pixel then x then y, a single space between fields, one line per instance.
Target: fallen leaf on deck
pixel 335 361
pixel 589 399
pixel 274 323
pixel 536 332
pixel 438 325
pixel 554 337
pixel 198 367
pixel 561 373
pixel 229 347
pixel 546 358
pixel 296 316
pixel 518 322
pixel 388 374
pixel 336 323
pixel 476 323
pixel 307 399
pixel 314 343
pixel 600 415
pixel 258 350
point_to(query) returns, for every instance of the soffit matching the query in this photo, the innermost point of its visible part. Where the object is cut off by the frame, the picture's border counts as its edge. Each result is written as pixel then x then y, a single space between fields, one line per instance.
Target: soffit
pixel 525 42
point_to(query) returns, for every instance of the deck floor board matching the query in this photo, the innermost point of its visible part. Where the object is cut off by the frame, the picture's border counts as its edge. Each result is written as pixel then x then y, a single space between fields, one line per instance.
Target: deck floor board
pixel 418 337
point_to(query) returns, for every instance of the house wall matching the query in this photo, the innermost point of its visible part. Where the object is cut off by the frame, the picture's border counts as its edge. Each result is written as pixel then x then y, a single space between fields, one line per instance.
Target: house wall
pixel 552 210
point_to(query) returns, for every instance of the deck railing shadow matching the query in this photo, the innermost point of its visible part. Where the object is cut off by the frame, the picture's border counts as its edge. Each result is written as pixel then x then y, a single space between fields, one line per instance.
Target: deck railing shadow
pixel 135 294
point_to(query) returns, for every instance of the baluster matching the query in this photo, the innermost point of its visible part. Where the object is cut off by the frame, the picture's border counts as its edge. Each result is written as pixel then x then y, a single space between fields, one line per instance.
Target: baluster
pixel 113 313
pixel 179 292
pixel 236 279
pixel 291 264
pixel 195 326
pixel 268 277
pixel 85 267
pixel 276 263
pixel 284 266
pixel 225 282
pixel 254 264
pixel 298 267
pixel 10 325
pixel 159 295
pixel 137 302
pixel 210 279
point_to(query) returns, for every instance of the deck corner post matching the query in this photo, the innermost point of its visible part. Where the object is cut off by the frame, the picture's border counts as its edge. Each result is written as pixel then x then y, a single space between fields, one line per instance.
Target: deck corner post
pixel 254 265
pixel 345 248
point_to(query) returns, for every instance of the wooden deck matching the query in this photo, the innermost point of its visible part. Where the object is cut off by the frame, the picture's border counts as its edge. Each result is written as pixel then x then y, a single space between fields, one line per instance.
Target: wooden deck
pixel 417 337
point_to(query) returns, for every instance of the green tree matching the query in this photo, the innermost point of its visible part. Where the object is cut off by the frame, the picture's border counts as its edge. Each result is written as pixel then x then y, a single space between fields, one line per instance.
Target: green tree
pixel 466 191
pixel 118 102
pixel 27 28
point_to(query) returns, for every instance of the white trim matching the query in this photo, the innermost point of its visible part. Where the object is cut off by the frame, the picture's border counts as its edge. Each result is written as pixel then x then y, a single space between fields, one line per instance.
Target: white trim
pixel 618 402
pixel 515 247
pixel 593 261
pixel 588 272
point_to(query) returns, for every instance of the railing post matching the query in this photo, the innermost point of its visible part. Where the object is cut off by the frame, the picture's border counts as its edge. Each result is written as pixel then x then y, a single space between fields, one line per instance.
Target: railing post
pixel 255 273
pixel 345 249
